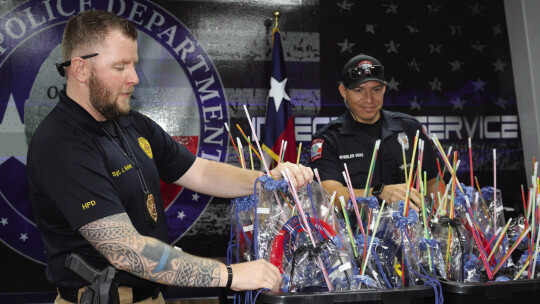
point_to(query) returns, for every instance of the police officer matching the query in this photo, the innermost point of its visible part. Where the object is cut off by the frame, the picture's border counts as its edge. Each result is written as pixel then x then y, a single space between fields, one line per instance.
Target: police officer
pixel 94 171
pixel 351 138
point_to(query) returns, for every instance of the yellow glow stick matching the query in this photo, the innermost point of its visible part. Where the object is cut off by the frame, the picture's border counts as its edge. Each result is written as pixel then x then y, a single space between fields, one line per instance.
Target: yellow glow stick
pixel 299 150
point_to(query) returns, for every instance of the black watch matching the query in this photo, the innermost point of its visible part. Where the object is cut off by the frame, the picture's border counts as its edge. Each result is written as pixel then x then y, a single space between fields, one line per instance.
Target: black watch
pixel 377 190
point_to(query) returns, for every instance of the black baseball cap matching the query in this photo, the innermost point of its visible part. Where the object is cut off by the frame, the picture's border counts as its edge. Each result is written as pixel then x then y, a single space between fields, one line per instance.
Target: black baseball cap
pixel 360 69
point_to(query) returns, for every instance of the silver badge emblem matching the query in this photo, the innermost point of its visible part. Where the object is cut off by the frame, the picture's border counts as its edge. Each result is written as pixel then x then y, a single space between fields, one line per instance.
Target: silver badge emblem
pixel 403 139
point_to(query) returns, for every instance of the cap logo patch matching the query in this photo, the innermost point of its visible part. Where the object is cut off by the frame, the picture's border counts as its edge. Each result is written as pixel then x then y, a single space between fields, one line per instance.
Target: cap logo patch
pixel 366 66
pixel 316 149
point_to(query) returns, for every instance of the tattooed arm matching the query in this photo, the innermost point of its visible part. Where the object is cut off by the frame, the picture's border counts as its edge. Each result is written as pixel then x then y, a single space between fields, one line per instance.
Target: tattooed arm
pixel 115 238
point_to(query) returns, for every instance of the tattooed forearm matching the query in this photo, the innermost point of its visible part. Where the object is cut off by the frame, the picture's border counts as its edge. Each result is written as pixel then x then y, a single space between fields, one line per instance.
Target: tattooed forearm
pixel 116 238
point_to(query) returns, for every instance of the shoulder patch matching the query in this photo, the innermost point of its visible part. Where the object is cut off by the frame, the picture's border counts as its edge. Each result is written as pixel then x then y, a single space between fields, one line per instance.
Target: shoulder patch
pixel 316 149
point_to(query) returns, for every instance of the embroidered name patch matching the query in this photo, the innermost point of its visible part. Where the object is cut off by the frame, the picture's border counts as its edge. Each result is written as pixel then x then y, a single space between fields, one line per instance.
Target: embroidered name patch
pixel 316 149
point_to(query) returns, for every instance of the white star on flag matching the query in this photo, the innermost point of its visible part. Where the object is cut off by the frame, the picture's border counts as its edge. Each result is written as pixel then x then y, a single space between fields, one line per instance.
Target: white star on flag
pixel 414 103
pixel 393 84
pixel 277 91
pixel 458 103
pixel 4 221
pixel 346 46
pixel 391 47
pixel 499 65
pixel 456 65
pixel 479 85
pixel 181 215
pixel 435 85
pixel 195 197
pixel 23 237
pixel 370 28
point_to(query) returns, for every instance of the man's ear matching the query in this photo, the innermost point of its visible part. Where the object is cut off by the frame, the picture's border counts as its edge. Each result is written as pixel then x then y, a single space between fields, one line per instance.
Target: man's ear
pixel 80 69
pixel 342 90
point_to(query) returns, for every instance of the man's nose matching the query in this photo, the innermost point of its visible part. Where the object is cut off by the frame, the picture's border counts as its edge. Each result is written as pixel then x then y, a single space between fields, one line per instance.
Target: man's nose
pixel 133 78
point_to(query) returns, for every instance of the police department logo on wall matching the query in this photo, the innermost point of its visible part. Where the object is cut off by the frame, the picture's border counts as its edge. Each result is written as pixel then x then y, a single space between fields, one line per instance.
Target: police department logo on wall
pixel 179 88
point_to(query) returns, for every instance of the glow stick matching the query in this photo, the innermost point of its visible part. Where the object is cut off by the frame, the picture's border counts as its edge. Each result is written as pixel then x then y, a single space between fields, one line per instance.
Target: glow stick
pixel 299 150
pixel 256 139
pixel 232 141
pixel 409 185
pixel 419 168
pixel 527 262
pixel 443 199
pixel 353 200
pixel 499 240
pixel 371 166
pixel 536 249
pixel 482 200
pixel 373 237
pixel 482 255
pixel 426 231
pixel 262 159
pixel 281 151
pixel 332 200
pixel 524 204
pixel 251 157
pixel 254 136
pixel 445 159
pixel 470 163
pixel 241 153
pixel 495 189
pixel 404 162
pixel 325 199
pixel 348 224
pixel 308 229
pixel 284 149
pixel 530 203
pixel 511 250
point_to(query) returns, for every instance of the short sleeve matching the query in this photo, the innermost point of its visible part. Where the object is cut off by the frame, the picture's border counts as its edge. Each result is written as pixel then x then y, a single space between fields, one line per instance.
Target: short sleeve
pixel 72 174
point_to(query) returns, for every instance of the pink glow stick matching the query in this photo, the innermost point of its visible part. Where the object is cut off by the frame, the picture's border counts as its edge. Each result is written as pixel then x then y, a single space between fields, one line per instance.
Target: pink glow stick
pixel 353 199
pixel 482 255
pixel 256 139
pixel 495 189
pixel 287 177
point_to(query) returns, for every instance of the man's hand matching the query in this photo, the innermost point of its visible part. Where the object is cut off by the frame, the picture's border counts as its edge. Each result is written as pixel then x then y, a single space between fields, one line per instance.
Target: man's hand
pixel 300 175
pixel 254 275
pixel 398 192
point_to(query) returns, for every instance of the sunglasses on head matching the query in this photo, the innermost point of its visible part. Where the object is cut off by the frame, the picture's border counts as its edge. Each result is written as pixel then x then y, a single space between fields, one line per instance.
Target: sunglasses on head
pixel 60 66
pixel 361 72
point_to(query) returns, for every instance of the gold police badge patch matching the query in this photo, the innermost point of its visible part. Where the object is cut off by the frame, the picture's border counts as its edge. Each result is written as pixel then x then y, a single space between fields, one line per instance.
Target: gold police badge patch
pixel 145 145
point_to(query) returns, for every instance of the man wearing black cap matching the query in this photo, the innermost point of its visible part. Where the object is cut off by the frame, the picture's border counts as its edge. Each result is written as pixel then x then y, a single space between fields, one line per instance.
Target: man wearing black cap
pixel 351 139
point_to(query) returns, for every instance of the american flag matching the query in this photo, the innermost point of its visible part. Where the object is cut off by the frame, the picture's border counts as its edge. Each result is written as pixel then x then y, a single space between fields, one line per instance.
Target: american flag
pixel 447 63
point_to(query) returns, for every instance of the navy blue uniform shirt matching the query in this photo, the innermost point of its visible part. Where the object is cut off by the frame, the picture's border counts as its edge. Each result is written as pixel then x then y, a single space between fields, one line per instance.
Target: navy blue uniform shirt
pixel 345 141
pixel 77 175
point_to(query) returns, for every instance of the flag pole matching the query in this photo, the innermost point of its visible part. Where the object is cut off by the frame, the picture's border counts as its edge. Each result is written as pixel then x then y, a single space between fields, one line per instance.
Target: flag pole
pixel 277 14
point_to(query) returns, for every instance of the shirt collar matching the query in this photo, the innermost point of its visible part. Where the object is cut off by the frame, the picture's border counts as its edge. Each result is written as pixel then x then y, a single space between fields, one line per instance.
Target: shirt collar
pixel 390 124
pixel 83 118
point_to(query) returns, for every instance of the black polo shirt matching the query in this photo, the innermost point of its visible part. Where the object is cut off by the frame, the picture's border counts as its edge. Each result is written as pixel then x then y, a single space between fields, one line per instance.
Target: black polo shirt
pixel 77 175
pixel 345 141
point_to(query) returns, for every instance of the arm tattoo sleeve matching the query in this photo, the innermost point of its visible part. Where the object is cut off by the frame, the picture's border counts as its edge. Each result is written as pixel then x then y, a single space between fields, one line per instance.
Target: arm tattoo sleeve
pixel 115 238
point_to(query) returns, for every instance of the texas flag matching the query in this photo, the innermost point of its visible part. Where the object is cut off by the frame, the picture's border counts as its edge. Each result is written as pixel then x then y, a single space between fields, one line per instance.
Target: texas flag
pixel 279 124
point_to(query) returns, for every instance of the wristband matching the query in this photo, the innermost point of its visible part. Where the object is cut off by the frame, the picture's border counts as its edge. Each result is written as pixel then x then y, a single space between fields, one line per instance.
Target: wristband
pixel 229 277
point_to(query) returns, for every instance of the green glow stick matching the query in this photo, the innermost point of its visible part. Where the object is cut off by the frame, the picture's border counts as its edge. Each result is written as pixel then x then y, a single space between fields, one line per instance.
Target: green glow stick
pixel 342 200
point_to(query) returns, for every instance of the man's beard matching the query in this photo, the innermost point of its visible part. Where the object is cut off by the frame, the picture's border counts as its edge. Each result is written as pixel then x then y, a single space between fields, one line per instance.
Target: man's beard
pixel 103 100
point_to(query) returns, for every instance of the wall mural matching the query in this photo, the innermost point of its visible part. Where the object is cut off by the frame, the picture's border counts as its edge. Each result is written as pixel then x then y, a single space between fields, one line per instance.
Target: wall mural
pixel 201 61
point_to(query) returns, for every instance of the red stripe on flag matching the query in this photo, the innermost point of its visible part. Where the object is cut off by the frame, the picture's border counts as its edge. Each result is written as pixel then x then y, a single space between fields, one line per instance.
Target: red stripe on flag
pixel 169 192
